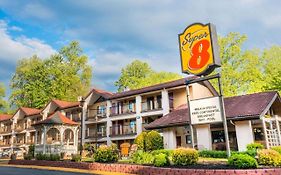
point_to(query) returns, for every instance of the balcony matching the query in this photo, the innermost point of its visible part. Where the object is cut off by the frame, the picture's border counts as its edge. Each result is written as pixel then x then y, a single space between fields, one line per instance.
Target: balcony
pixel 96 114
pixel 119 130
pixel 98 135
pixel 5 131
pixel 151 106
pixel 20 128
pixel 123 109
pixel 4 144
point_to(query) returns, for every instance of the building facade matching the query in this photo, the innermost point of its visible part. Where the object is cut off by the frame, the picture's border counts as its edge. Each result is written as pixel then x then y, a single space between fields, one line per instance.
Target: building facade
pixel 107 118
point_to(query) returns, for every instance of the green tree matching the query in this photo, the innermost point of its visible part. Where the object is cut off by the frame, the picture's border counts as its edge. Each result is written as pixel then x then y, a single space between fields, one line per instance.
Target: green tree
pixel 241 69
pixel 139 74
pixel 65 75
pixel 3 102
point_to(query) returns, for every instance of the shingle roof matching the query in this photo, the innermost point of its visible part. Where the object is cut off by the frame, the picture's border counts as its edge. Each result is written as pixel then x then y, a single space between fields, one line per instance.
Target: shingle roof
pixel 103 93
pixel 170 84
pixel 57 118
pixel 236 108
pixel 65 104
pixel 4 117
pixel 30 111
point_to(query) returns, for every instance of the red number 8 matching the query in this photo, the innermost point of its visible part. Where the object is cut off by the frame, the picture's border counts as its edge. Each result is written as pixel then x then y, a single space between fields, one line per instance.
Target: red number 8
pixel 200 55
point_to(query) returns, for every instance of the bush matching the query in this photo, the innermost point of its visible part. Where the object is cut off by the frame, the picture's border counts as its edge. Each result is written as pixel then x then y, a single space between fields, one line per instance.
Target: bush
pixel 251 153
pixel 269 157
pixel 254 146
pixel 164 151
pixel 49 157
pixel 141 157
pixel 213 154
pixel 140 141
pixel 185 156
pixel 106 154
pixel 276 148
pixel 13 156
pixel 76 157
pixel 27 156
pixel 153 141
pixel 160 160
pixel 31 149
pixel 242 161
pixel 54 157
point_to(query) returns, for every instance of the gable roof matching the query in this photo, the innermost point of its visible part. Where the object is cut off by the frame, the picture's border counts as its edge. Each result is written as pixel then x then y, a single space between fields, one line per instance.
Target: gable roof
pixel 243 107
pixel 4 117
pixel 102 93
pixel 30 111
pixel 65 104
pixel 57 118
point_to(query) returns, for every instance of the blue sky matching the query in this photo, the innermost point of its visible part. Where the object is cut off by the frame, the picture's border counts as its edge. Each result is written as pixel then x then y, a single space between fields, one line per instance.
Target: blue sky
pixel 113 33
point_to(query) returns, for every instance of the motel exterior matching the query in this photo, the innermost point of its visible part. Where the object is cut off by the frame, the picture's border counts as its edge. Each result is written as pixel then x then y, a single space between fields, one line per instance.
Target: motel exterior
pixel 119 117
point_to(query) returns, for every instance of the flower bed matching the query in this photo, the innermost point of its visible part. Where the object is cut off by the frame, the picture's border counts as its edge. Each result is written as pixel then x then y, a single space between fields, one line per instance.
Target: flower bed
pixel 144 170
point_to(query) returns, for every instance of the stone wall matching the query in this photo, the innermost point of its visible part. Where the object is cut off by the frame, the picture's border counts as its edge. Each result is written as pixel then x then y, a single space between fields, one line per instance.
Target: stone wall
pixel 144 170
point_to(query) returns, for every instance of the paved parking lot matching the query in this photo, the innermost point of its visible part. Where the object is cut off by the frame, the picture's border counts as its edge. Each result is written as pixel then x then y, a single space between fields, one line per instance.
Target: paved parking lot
pixel 27 171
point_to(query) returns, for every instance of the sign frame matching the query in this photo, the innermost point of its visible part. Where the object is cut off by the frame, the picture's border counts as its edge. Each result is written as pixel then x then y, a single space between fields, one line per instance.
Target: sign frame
pixel 215 62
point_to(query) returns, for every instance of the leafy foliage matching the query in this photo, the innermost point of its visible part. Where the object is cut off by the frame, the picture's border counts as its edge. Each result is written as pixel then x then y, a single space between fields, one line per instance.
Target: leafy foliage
pixel 161 160
pixel 269 157
pixel 139 74
pixel 154 141
pixel 49 157
pixel 141 157
pixel 106 154
pixel 185 156
pixel 140 141
pixel 276 148
pixel 242 161
pixel 64 76
pixel 3 103
pixel 213 154
pixel 76 157
pixel 254 146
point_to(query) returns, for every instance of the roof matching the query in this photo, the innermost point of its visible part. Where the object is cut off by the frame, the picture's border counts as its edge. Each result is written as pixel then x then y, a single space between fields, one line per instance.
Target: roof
pixel 103 93
pixel 65 104
pixel 57 118
pixel 30 111
pixel 4 117
pixel 236 108
pixel 170 84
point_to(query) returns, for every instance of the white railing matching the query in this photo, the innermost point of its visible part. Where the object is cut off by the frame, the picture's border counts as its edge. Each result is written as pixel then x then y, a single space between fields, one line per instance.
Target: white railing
pixel 56 149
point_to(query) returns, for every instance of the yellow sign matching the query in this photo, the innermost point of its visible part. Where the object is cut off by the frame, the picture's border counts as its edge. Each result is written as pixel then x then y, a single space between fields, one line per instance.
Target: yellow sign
pixel 199 49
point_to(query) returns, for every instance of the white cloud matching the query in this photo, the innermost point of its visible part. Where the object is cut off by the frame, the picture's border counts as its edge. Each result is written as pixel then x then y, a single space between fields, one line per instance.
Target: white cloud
pixel 13 49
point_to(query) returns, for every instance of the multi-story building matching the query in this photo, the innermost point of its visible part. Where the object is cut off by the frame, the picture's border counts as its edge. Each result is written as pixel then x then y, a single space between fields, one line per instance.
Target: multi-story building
pixel 107 118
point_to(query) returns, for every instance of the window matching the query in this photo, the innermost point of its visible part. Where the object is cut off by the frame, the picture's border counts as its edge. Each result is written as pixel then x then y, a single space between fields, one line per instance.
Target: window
pixel 188 139
pixel 258 134
pixel 218 136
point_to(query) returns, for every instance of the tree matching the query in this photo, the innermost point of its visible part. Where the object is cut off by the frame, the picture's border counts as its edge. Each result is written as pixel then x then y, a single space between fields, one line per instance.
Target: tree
pixel 241 69
pixel 65 76
pixel 139 74
pixel 3 103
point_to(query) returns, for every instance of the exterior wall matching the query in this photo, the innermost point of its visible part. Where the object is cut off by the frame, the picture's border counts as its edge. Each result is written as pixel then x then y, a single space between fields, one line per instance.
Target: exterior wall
pixel 169 136
pixel 180 97
pixel 200 91
pixel 204 137
pixel 244 134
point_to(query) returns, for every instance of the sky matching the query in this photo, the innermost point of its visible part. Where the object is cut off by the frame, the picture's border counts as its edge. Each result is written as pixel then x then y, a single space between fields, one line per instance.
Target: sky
pixel 114 33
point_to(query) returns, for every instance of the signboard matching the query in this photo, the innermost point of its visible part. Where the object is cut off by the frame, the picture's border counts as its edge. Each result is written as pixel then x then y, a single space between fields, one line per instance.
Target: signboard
pixel 199 49
pixel 206 110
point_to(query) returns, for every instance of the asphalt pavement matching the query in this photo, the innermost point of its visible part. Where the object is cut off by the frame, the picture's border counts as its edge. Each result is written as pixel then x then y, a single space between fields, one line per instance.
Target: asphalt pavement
pixel 29 171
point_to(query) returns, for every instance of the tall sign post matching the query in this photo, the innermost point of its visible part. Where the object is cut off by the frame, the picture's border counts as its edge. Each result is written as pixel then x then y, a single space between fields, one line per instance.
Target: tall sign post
pixel 199 53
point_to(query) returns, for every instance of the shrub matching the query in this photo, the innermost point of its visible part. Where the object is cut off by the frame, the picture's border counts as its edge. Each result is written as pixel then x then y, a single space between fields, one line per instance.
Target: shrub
pixel 154 141
pixel 276 148
pixel 251 153
pixel 13 156
pixel 269 157
pixel 106 154
pixel 242 161
pixel 140 141
pixel 213 154
pixel 27 156
pixel 160 160
pixel 76 157
pixel 254 146
pixel 50 157
pixel 31 149
pixel 54 157
pixel 185 156
pixel 167 152
pixel 141 157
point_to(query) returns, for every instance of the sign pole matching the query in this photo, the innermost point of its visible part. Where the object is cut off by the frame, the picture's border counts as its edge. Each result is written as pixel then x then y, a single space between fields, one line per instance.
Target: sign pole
pixel 224 119
pixel 190 125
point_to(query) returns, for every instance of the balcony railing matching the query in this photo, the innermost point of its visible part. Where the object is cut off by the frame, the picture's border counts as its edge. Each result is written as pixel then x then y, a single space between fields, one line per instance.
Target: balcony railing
pixel 96 114
pixel 99 134
pixel 150 106
pixel 123 109
pixel 5 130
pixel 117 130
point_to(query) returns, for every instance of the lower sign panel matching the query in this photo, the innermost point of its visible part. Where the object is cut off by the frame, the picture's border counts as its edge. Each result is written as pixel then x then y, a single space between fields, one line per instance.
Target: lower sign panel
pixel 205 110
